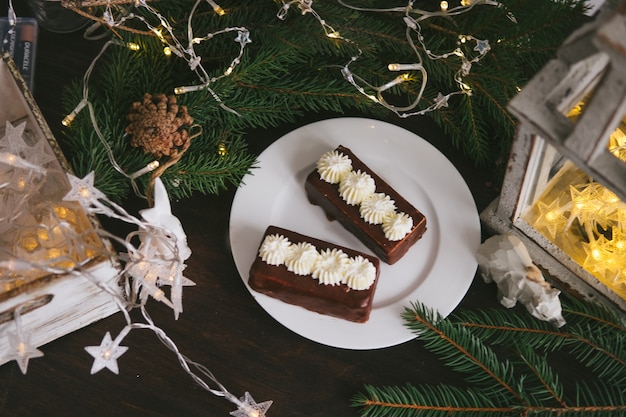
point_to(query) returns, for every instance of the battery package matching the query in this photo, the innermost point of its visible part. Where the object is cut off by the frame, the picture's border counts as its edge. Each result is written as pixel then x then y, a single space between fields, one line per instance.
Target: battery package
pixel 20 41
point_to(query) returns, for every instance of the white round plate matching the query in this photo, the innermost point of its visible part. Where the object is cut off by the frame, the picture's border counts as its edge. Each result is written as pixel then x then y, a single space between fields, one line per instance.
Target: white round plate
pixel 437 270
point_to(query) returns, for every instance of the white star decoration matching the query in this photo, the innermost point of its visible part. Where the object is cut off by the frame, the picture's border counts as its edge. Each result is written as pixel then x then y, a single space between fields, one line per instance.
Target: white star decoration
pixel 83 190
pixel 441 100
pixel 22 350
pixel 250 408
pixel 482 46
pixel 13 141
pixel 105 355
pixel 37 154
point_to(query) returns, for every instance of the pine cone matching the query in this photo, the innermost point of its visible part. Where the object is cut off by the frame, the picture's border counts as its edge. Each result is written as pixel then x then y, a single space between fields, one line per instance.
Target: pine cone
pixel 159 125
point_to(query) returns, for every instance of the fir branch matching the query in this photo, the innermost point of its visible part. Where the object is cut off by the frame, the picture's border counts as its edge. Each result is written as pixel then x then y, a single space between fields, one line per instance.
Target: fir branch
pixel 536 389
pixel 465 352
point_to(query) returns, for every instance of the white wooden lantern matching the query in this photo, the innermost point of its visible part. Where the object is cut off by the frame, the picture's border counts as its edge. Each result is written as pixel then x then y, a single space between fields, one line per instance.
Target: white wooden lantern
pixel 42 303
pixel 565 186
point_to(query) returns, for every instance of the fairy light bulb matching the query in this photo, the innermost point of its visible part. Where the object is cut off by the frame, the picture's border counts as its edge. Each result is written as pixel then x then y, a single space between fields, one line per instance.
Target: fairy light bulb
pixel 216 8
pixel 466 3
pixel 552 216
pixel 133 46
pixel 29 243
pixel 42 234
pixel 62 212
pixel 596 254
pixel 53 253
pixel 188 89
pixel 84 192
pixel 404 67
pixel 148 168
pixel 444 6
pixel 67 120
pixel 167 51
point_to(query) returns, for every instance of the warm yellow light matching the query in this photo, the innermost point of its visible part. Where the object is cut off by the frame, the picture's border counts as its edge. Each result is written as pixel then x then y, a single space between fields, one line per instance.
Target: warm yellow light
pixel 444 6
pixel 167 51
pixel 42 234
pixel 596 254
pixel 61 211
pixel 84 192
pixel 54 253
pixel 552 215
pixel 333 35
pixel 466 2
pixel 67 120
pixel 133 46
pixel 222 150
pixel 29 243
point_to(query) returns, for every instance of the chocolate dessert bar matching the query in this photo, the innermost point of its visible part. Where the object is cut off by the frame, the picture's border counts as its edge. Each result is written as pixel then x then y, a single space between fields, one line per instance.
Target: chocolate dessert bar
pixel 315 274
pixel 351 193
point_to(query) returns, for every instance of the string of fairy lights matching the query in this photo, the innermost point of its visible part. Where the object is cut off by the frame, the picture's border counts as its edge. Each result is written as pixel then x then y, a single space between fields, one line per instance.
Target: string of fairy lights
pixel 159 260
pixel 414 72
pixel 150 267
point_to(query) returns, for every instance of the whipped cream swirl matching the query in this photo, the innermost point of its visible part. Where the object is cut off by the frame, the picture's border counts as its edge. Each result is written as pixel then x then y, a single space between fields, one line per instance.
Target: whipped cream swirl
pixel 330 266
pixel 274 249
pixel 356 187
pixel 376 208
pixel 301 258
pixel 333 166
pixel 360 273
pixel 397 225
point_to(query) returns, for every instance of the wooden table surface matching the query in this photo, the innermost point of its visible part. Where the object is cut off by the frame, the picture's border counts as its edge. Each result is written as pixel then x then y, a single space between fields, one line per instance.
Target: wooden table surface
pixel 222 327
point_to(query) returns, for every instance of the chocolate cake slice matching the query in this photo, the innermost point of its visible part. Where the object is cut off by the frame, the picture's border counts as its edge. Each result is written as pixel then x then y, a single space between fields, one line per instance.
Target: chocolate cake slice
pixel 284 270
pixel 350 179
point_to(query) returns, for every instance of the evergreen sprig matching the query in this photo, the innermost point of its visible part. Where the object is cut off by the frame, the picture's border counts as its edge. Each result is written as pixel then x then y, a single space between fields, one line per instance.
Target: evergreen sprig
pixel 291 69
pixel 505 357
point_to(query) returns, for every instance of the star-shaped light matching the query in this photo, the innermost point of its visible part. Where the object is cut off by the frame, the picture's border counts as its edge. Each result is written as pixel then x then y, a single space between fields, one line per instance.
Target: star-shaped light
pixel 105 355
pixel 550 217
pixel 13 141
pixel 305 6
pixel 482 46
pixel 441 100
pixel 22 350
pixel 37 154
pixel 83 190
pixel 249 407
pixel 243 37
pixel 597 255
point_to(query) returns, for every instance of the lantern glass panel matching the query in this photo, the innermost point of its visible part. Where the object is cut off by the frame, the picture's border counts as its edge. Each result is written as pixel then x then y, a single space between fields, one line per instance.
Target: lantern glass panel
pixel 578 215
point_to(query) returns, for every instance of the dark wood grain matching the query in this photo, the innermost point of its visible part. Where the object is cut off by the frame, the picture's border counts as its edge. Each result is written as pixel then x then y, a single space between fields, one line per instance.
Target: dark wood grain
pixel 222 326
